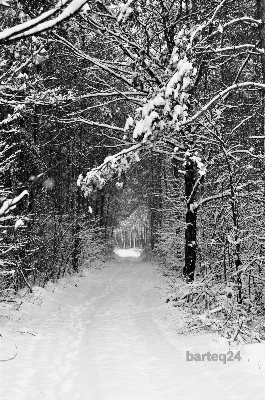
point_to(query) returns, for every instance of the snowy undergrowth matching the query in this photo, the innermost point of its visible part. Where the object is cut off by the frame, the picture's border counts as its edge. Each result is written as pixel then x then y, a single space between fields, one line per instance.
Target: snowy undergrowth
pixel 210 307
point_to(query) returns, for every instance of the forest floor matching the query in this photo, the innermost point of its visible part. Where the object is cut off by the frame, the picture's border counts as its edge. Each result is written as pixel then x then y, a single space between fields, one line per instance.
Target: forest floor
pixel 109 334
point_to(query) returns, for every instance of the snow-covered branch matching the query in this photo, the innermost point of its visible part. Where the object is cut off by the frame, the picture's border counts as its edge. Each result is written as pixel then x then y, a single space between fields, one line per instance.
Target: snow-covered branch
pixel 92 123
pixel 94 61
pixel 109 94
pixel 203 26
pixel 226 193
pixel 11 203
pixel 222 28
pixel 42 23
pixel 15 30
pixel 116 164
pixel 233 49
pixel 170 103
pixel 220 96
pixel 218 8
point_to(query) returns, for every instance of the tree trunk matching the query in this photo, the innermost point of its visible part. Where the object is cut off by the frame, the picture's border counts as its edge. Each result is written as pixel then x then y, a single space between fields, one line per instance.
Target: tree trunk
pixel 76 248
pixel 191 219
pixel 155 199
pixel 261 15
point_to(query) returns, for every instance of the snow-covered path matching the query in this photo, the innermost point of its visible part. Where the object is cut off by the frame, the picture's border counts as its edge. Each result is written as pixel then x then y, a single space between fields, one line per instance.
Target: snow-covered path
pixel 110 335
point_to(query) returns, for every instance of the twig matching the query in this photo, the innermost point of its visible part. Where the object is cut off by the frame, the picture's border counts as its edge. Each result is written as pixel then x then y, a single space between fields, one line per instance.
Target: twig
pixel 9 359
pixel 238 330
pixel 26 332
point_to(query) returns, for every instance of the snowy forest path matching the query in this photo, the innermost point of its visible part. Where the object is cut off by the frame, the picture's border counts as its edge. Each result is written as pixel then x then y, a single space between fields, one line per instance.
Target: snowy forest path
pixel 110 336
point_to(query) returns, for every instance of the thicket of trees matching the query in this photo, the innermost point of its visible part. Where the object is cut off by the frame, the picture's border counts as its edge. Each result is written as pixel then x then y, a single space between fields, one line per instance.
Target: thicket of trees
pixel 156 108
pixel 47 227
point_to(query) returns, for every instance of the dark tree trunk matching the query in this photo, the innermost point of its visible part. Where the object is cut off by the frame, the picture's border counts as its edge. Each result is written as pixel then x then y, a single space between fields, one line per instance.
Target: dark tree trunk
pixel 261 15
pixel 191 219
pixel 76 249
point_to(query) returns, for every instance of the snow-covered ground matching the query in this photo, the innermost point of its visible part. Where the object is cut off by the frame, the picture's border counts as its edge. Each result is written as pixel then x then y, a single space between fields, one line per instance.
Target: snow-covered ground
pixel 110 335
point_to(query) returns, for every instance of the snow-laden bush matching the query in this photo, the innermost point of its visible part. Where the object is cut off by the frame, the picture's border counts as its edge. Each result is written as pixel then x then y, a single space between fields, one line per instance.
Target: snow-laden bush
pixel 209 304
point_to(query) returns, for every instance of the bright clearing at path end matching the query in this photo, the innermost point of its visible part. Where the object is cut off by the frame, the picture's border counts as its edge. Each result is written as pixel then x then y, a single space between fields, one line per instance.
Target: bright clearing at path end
pixel 127 252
